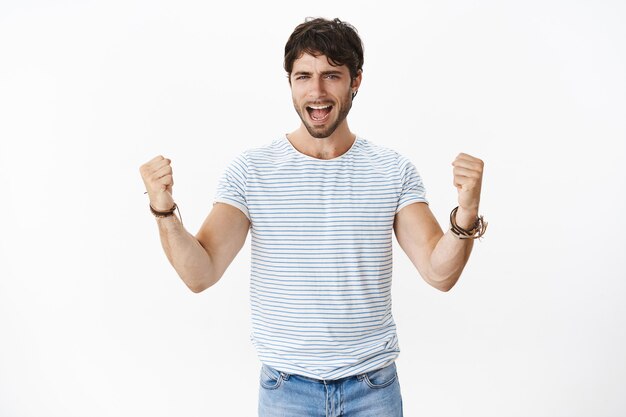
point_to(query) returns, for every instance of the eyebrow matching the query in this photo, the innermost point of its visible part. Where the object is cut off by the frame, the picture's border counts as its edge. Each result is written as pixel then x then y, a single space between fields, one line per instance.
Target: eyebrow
pixel 331 72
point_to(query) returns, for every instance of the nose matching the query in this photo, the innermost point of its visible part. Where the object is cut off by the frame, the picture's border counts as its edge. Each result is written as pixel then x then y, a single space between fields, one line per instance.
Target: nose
pixel 316 87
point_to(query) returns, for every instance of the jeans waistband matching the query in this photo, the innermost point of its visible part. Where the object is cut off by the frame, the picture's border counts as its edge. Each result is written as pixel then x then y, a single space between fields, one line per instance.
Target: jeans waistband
pixel 359 376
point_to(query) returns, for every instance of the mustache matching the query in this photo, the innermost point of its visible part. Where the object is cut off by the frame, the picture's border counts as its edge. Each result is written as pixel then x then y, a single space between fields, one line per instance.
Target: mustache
pixel 320 103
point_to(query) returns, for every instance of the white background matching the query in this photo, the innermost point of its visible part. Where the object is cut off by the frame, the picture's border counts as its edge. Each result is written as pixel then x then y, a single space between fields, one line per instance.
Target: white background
pixel 95 322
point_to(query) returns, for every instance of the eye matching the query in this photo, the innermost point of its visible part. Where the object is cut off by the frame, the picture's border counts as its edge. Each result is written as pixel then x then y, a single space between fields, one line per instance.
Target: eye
pixel 301 77
pixel 332 77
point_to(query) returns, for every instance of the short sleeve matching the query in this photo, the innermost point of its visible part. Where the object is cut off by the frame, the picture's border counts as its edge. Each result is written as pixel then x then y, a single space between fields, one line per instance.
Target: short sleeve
pixel 232 185
pixel 412 190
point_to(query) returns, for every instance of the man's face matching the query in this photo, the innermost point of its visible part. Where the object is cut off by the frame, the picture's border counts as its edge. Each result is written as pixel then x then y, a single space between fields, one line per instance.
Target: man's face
pixel 322 93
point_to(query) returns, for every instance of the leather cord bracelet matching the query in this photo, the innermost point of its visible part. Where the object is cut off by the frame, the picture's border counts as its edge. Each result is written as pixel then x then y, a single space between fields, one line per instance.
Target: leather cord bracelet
pixel 168 213
pixel 477 231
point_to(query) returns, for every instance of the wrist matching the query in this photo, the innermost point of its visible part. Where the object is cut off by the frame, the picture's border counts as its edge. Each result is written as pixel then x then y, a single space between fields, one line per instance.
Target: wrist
pixel 165 214
pixel 474 231
pixel 465 217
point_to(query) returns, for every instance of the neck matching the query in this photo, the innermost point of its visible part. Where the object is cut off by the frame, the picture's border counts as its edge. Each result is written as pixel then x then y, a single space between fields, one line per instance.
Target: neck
pixel 333 146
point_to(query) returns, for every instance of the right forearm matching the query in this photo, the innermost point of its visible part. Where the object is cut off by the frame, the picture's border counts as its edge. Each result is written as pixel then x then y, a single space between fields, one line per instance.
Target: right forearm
pixel 190 260
pixel 188 257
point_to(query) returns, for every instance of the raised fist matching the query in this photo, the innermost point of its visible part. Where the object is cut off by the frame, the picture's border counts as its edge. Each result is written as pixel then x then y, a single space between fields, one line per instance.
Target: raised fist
pixel 468 177
pixel 157 177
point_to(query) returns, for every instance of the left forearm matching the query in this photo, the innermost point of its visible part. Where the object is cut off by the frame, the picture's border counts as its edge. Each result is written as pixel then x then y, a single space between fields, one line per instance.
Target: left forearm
pixel 451 253
pixel 448 260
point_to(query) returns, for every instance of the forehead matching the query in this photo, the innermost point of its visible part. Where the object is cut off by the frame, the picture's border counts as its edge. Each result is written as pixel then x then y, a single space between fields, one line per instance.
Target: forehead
pixel 310 63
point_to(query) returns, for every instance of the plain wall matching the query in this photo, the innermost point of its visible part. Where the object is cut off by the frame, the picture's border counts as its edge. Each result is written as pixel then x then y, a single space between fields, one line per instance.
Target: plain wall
pixel 94 321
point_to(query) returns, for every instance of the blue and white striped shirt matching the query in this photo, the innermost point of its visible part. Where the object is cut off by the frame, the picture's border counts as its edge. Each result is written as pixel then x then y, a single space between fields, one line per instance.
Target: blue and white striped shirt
pixel 321 230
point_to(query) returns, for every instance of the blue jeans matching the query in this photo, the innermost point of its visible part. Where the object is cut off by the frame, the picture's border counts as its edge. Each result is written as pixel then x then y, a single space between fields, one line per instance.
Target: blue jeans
pixel 373 394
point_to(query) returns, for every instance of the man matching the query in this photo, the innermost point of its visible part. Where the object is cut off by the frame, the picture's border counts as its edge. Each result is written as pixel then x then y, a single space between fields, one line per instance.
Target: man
pixel 321 204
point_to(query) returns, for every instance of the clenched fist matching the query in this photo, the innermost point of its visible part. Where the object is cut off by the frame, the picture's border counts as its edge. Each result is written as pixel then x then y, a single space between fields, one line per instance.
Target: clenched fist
pixel 468 177
pixel 157 177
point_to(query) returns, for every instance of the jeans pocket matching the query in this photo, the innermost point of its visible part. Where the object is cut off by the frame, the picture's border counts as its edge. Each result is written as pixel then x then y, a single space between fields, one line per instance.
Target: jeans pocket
pixel 381 378
pixel 270 378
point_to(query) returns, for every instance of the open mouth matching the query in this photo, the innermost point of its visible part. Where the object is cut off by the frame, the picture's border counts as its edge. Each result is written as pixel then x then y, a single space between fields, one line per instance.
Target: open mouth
pixel 319 113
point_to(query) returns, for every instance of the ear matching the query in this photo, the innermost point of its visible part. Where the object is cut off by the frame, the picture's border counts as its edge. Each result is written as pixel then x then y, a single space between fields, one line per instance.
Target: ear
pixel 356 81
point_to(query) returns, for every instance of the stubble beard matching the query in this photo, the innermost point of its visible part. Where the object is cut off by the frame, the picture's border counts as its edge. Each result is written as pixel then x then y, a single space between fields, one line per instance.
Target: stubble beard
pixel 321 132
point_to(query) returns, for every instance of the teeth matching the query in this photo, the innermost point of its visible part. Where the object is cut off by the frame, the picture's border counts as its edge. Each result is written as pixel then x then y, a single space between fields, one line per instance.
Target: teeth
pixel 320 107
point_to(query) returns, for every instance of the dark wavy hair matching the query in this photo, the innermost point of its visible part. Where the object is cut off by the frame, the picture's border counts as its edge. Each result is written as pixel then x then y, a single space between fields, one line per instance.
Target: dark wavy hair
pixel 338 40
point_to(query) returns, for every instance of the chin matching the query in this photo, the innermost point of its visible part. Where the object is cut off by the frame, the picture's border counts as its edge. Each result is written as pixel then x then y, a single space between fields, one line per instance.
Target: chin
pixel 320 134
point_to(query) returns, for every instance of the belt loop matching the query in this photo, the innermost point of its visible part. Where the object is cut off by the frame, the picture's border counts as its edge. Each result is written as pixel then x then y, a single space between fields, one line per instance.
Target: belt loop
pixel 285 376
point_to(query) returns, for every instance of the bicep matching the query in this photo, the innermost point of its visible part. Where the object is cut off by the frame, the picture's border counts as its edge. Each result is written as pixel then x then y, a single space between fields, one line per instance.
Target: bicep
pixel 417 232
pixel 222 235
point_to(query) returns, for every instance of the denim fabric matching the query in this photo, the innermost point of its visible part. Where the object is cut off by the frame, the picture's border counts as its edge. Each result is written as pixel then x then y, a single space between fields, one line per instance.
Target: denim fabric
pixel 374 394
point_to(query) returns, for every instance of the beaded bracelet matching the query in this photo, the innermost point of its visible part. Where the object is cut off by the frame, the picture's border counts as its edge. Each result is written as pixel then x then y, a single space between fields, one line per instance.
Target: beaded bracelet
pixel 477 231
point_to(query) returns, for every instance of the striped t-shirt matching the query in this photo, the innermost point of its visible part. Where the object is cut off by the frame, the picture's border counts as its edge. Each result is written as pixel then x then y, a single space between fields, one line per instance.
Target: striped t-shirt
pixel 321 239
